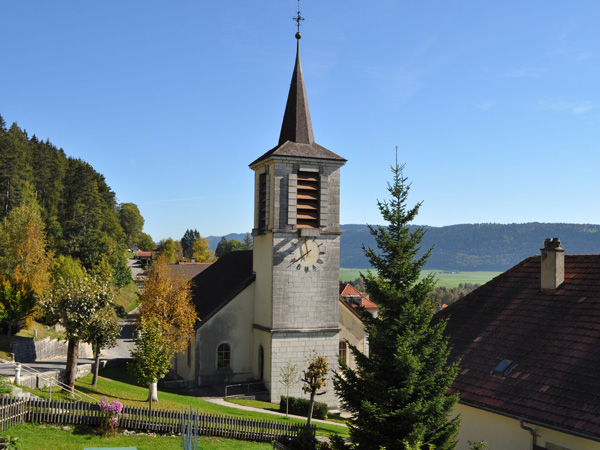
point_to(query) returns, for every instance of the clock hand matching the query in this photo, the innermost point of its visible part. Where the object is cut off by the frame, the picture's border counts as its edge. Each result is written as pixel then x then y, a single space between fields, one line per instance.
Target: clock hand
pixel 295 260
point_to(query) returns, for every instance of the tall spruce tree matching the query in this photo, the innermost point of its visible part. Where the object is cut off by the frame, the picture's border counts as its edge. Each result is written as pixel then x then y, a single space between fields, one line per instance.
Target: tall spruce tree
pixel 399 391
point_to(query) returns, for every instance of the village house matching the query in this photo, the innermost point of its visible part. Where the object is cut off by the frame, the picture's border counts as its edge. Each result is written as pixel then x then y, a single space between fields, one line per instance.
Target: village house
pixel 528 342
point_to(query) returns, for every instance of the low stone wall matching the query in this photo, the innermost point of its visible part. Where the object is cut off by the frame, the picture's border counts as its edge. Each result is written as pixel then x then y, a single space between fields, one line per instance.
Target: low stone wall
pixel 28 350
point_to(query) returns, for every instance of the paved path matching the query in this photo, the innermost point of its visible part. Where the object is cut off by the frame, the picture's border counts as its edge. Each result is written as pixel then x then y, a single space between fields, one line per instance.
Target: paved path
pixel 220 401
pixel 128 324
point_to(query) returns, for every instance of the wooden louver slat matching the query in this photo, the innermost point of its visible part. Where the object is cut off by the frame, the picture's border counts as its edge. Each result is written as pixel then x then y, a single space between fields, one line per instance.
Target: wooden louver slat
pixel 262 200
pixel 307 200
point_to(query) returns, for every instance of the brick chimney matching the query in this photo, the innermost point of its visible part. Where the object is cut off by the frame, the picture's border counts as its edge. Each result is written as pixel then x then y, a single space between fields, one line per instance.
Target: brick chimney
pixel 553 265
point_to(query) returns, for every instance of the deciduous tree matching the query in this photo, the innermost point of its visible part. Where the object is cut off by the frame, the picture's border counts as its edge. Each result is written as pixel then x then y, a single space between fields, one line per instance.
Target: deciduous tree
pixel 17 302
pixel 23 255
pixel 102 333
pixel 74 303
pixel 166 308
pixel 314 378
pixel 226 246
pixel 167 298
pixel 289 376
pixel 202 252
pixel 151 358
pixel 399 391
pixel 166 247
pixel 146 243
pixel 131 221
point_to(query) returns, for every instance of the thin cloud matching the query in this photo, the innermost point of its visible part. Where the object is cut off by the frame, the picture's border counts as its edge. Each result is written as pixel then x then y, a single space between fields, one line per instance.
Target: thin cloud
pixel 562 106
pixel 484 106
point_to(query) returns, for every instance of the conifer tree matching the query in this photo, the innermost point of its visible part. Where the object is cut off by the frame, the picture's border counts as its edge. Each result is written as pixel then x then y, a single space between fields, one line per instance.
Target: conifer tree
pixel 398 393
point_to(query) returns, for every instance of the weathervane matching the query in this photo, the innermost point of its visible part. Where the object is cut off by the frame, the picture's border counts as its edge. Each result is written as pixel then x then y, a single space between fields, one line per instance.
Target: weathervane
pixel 298 19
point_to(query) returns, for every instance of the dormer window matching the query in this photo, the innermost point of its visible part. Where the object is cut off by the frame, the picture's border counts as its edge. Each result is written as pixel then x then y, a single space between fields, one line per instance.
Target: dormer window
pixel 307 200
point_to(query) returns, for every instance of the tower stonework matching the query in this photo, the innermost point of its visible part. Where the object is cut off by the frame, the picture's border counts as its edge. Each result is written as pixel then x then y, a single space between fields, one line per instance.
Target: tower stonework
pixel 296 254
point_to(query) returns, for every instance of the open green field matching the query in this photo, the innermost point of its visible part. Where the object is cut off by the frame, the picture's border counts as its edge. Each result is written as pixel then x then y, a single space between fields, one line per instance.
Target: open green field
pixel 445 279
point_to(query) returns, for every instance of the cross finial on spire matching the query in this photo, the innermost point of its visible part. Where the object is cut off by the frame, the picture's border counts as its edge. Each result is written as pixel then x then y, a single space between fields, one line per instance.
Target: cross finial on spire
pixel 298 18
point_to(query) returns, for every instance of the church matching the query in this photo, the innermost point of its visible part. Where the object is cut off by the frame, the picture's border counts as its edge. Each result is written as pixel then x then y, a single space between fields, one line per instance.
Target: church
pixel 279 302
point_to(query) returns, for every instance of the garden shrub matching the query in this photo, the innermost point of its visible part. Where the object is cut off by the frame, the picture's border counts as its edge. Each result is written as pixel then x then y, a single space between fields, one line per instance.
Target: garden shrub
pixel 299 407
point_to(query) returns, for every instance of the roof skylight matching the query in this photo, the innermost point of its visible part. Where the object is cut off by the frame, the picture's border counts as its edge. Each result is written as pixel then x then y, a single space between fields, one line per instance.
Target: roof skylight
pixel 504 368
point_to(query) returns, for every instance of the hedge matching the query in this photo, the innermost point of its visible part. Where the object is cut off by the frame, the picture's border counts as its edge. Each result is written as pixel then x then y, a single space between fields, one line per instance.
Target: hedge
pixel 299 407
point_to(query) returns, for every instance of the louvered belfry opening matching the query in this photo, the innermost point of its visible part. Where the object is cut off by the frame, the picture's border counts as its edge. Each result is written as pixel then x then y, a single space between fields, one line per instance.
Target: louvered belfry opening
pixel 262 203
pixel 308 200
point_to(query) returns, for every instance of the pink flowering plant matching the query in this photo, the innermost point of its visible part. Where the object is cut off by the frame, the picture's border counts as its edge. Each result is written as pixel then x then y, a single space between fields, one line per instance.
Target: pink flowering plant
pixel 112 412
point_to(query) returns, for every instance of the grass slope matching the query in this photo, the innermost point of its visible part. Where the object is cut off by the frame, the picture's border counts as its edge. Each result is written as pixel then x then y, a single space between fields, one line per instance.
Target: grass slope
pixel 116 384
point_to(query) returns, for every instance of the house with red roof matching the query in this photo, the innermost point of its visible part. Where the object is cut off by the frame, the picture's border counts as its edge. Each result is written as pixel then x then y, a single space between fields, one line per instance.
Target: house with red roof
pixel 354 298
pixel 529 346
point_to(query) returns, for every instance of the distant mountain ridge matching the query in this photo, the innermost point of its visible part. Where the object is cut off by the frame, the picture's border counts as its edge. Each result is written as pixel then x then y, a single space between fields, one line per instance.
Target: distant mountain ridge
pixel 469 247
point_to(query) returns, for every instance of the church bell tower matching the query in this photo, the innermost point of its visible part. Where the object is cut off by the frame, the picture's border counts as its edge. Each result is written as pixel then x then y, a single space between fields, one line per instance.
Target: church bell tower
pixel 296 254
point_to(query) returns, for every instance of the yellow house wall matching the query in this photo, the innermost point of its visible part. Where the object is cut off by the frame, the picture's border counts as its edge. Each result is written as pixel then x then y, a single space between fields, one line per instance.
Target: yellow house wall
pixel 351 330
pixel 504 433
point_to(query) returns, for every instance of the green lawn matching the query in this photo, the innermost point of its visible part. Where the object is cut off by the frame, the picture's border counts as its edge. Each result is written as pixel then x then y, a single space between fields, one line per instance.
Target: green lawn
pixel 449 280
pixel 127 297
pixel 117 385
pixel 54 437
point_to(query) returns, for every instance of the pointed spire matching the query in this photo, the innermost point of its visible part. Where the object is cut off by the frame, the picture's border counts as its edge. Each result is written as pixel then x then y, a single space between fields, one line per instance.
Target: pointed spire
pixel 296 126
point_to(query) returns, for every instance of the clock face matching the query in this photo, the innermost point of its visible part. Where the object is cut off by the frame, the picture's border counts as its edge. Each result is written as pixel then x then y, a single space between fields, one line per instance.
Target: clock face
pixel 306 255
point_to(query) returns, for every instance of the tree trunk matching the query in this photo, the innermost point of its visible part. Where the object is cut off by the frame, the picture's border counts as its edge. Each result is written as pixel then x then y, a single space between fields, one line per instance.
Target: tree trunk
pixel 152 393
pixel 287 400
pixel 71 368
pixel 310 409
pixel 96 365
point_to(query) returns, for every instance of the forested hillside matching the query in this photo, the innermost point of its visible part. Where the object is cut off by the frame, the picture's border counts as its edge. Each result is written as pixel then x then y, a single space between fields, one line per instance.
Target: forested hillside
pixel 470 247
pixel 78 210
pixel 489 246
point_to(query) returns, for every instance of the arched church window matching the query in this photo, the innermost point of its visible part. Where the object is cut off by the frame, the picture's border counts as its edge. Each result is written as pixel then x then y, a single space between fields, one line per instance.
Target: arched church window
pixel 223 356
pixel 343 351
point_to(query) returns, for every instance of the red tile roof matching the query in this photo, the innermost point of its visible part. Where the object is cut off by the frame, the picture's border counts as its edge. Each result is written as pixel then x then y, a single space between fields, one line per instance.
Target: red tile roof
pixel 188 270
pixel 347 290
pixel 554 339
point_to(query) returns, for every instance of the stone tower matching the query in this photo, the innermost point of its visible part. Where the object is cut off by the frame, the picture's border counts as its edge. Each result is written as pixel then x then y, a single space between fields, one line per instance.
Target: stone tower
pixel 296 248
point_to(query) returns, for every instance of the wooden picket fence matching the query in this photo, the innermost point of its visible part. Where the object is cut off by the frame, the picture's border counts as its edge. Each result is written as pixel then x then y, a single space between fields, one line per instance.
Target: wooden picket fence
pixel 14 411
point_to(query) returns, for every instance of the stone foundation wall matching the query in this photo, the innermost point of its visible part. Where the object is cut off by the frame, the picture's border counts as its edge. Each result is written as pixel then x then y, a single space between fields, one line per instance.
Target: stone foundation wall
pixel 28 350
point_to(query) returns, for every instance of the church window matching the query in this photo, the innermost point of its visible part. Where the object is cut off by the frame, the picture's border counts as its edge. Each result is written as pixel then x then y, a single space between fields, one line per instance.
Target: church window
pixel 223 356
pixel 343 351
pixel 308 200
pixel 262 203
pixel 189 354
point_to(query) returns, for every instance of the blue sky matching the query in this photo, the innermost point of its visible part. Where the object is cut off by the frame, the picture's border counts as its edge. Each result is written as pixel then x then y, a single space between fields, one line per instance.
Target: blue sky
pixel 494 106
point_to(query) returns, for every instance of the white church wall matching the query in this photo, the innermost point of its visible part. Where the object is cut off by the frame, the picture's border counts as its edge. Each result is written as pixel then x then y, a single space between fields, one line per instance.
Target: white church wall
pixel 262 260
pixel 231 325
pixel 297 347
